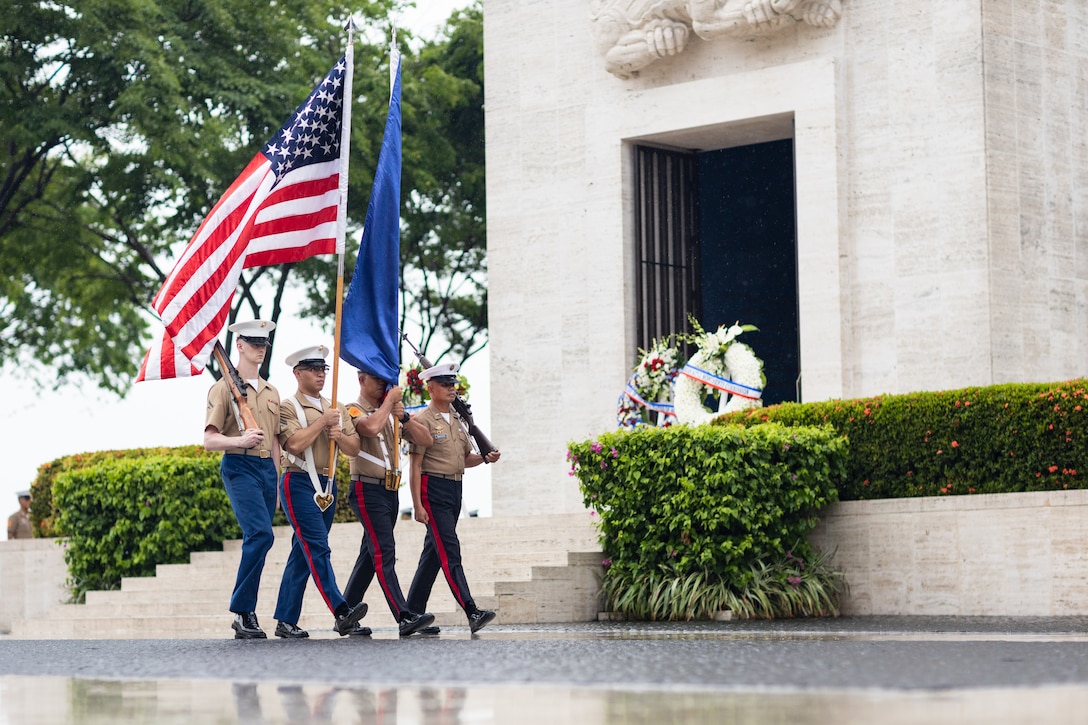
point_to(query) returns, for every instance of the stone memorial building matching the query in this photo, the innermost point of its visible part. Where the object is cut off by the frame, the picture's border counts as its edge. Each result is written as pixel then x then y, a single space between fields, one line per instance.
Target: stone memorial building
pixel 894 193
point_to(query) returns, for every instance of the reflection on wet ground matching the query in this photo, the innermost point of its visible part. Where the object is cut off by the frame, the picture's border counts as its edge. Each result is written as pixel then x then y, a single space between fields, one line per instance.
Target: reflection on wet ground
pixel 848 670
pixel 48 700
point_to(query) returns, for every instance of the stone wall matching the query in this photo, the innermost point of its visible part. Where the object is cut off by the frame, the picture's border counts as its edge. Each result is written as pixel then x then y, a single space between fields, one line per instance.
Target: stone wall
pixel 1016 554
pixel 1036 81
pixel 941 203
pixel 1013 554
pixel 32 577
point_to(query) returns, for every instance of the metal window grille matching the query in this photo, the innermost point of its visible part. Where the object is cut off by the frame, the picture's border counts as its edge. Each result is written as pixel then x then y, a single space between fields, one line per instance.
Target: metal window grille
pixel 667 242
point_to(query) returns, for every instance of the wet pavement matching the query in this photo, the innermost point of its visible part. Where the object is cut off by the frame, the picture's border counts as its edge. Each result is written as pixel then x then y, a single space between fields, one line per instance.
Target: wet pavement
pixel 845 670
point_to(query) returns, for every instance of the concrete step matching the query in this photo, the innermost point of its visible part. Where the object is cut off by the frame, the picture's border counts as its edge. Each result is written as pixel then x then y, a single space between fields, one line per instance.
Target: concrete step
pixel 524 568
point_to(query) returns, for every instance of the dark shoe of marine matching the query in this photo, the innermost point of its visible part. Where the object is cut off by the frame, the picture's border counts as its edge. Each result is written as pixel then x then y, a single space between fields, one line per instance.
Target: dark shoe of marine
pixel 480 619
pixel 290 631
pixel 245 627
pixel 360 631
pixel 346 622
pixel 412 623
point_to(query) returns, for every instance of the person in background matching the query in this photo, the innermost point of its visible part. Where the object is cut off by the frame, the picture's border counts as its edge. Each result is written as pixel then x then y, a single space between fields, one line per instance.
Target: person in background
pixel 308 423
pixel 250 465
pixel 438 463
pixel 375 498
pixel 19 522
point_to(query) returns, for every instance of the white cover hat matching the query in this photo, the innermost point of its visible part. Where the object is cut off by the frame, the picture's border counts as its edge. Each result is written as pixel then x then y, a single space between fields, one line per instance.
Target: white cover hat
pixel 444 373
pixel 253 331
pixel 314 355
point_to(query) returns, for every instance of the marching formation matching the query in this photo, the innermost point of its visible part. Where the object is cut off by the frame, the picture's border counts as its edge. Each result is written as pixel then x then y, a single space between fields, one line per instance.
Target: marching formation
pixel 278 450
pixel 290 203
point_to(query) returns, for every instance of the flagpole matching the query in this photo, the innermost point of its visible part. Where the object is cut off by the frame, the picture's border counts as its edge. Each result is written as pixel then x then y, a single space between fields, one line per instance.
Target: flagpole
pixel 341 224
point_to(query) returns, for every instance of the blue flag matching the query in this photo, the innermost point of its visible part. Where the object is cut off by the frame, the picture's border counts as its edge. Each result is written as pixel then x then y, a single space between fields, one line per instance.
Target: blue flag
pixel 370 332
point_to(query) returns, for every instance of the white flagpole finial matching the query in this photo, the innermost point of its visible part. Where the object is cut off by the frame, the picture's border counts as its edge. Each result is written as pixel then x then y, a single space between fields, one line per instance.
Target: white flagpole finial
pixel 350 26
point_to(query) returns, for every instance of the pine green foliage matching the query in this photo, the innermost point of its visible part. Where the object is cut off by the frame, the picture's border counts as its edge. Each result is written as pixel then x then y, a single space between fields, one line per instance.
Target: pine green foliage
pixel 689 516
pixel 123 517
pixel 996 439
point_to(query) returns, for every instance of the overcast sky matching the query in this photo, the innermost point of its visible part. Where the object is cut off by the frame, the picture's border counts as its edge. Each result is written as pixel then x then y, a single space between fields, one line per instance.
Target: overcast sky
pixel 42 426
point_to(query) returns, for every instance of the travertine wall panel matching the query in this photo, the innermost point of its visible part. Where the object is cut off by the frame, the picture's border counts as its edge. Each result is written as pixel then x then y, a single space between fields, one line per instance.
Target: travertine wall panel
pixel 1036 61
pixel 942 218
pixel 32 576
pixel 1002 554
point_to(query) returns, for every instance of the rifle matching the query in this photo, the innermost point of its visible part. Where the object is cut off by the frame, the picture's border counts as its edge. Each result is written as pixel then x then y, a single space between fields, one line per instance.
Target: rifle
pixel 482 443
pixel 237 387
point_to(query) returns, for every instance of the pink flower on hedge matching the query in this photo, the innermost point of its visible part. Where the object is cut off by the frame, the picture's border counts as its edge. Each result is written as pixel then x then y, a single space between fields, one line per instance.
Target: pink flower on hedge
pixel 615 453
pixel 793 581
pixel 596 447
pixel 955 444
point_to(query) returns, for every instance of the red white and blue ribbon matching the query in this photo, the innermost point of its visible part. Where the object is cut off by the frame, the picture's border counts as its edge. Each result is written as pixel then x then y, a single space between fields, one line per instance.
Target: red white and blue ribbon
pixel 663 408
pixel 714 381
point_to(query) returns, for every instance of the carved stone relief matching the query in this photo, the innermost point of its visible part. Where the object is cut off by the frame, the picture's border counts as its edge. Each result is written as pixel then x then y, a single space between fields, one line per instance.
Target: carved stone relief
pixel 632 34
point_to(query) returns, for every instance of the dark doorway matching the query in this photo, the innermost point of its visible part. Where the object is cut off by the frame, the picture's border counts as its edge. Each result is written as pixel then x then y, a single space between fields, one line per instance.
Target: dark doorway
pixel 748 255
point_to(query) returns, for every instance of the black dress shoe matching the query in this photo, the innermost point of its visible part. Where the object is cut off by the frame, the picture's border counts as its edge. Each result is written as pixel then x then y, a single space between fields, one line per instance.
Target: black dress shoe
pixel 360 631
pixel 480 619
pixel 414 622
pixel 290 631
pixel 245 627
pixel 346 622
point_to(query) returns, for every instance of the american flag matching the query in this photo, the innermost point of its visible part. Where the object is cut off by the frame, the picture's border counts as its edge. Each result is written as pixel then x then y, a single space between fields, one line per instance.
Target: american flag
pixel 283 208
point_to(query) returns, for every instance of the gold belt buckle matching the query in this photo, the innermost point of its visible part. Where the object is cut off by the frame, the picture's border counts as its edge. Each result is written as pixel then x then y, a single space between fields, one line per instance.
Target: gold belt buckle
pixel 392 480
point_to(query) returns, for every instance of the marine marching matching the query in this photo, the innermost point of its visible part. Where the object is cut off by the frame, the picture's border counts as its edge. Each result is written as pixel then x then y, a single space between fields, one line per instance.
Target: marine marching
pixel 289 204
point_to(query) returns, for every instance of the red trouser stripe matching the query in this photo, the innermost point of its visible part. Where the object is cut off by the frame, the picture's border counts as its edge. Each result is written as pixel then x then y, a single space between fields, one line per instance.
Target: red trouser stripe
pixel 290 511
pixel 438 545
pixel 375 547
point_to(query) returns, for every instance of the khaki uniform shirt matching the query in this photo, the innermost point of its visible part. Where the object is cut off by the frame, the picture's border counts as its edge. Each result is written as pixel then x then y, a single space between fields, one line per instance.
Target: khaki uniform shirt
pixel 264 402
pixel 447 454
pixel 289 425
pixel 372 446
pixel 19 525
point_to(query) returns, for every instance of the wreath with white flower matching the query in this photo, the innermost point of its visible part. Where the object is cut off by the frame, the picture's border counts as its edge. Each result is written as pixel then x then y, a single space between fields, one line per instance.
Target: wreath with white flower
pixel 649 387
pixel 414 390
pixel 722 366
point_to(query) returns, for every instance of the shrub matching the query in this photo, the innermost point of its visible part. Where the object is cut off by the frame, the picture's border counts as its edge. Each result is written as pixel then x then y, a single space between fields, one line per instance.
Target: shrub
pixel 689 515
pixel 123 517
pixel 42 513
pixel 996 439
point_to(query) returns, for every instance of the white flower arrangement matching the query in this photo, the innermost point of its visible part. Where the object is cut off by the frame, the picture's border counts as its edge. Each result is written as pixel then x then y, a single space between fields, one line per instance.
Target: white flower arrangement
pixel 723 365
pixel 649 388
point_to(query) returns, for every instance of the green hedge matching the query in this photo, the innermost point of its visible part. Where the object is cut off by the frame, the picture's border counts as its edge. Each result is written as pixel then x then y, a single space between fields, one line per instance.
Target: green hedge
pixel 705 508
pixel 125 512
pixel 122 518
pixel 43 513
pixel 996 439
pixel 41 490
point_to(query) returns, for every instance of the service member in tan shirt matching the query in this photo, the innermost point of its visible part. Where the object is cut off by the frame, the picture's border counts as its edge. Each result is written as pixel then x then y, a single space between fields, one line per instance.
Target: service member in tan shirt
pixel 250 466
pixel 19 526
pixel 307 424
pixel 437 465
pixel 375 498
